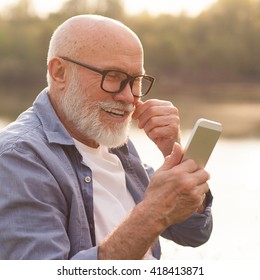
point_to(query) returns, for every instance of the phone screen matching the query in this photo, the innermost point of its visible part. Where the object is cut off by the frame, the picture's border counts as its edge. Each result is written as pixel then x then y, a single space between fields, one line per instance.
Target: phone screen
pixel 201 144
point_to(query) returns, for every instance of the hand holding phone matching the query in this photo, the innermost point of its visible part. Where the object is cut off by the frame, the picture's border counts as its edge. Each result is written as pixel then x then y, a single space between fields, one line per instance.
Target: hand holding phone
pixel 202 141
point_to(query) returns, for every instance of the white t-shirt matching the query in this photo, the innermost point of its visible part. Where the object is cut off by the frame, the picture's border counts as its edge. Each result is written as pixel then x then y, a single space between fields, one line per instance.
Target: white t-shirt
pixel 112 199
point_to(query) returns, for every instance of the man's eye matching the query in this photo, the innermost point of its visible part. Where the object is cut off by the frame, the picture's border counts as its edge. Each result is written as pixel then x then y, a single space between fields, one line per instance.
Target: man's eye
pixel 115 76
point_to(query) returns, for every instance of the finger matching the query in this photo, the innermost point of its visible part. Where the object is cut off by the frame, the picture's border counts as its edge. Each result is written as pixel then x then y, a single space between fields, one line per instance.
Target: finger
pixel 144 107
pixel 160 126
pixel 138 110
pixel 158 115
pixel 190 166
pixel 202 204
pixel 202 178
pixel 201 190
pixel 174 158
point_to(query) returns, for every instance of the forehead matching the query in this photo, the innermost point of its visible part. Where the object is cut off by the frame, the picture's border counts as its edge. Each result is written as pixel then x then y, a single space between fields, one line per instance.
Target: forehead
pixel 101 42
pixel 111 45
pixel 117 58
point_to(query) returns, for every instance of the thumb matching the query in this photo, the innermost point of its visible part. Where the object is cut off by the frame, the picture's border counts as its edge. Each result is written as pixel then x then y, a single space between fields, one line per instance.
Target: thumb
pixel 136 113
pixel 138 103
pixel 174 158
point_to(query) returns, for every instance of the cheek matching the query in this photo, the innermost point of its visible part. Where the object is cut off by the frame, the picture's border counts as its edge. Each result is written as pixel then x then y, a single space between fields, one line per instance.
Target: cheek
pixel 93 91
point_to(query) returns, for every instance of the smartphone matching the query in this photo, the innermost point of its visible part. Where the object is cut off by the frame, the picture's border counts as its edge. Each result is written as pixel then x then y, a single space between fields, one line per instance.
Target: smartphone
pixel 202 141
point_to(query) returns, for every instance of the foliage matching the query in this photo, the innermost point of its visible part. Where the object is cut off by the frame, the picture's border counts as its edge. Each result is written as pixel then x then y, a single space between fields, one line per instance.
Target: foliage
pixel 222 44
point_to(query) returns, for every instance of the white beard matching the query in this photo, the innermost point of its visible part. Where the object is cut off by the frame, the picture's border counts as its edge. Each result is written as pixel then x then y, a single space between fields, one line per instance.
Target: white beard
pixel 84 115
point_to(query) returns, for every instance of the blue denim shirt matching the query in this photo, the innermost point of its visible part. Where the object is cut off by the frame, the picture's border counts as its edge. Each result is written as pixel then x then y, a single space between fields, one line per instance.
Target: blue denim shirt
pixel 46 193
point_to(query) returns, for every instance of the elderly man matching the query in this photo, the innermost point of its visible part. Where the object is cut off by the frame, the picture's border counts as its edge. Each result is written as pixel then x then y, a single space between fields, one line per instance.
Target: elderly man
pixel 72 184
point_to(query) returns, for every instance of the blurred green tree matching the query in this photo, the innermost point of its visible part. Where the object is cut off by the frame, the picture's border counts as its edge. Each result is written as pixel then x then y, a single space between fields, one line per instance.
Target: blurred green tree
pixel 221 44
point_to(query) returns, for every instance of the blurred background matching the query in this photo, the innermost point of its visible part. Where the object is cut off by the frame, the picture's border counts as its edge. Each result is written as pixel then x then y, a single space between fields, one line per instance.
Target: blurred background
pixel 206 60
pixel 206 64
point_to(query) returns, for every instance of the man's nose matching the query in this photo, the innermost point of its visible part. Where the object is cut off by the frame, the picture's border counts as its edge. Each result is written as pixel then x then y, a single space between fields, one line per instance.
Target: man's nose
pixel 125 95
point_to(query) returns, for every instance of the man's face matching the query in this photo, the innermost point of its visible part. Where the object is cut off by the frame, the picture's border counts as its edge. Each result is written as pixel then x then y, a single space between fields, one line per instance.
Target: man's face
pixel 93 113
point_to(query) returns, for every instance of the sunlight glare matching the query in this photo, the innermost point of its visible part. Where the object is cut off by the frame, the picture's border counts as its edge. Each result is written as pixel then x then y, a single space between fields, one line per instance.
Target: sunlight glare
pixel 191 7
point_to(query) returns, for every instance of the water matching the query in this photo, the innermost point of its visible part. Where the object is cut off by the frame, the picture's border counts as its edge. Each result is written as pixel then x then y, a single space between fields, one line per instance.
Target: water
pixel 235 184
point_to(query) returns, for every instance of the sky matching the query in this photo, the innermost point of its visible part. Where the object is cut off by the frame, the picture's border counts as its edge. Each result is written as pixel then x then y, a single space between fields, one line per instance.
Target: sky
pixel 191 7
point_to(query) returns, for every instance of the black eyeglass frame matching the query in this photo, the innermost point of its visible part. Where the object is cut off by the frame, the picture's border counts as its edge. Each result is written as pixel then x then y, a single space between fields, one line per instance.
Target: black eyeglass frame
pixel 130 79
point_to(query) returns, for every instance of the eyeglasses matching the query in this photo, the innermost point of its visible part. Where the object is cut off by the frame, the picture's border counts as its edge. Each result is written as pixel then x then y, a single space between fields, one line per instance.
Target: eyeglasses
pixel 114 81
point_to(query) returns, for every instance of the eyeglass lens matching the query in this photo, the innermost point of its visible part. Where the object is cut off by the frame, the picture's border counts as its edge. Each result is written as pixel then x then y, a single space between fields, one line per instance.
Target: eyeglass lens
pixel 115 81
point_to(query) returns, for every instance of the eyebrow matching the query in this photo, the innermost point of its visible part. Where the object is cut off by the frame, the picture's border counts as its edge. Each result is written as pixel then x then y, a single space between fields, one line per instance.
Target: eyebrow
pixel 116 68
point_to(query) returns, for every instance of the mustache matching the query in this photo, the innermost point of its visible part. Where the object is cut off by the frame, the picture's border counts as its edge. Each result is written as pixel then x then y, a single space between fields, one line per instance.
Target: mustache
pixel 128 108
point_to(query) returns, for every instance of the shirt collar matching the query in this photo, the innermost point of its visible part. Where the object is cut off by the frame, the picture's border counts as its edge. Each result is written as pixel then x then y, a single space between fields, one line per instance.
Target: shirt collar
pixel 123 149
pixel 52 126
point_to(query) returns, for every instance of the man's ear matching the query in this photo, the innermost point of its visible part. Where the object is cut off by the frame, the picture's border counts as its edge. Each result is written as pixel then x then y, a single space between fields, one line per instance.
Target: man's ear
pixel 57 71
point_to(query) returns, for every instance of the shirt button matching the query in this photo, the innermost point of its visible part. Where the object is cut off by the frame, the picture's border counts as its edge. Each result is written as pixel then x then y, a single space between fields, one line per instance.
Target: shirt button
pixel 87 179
